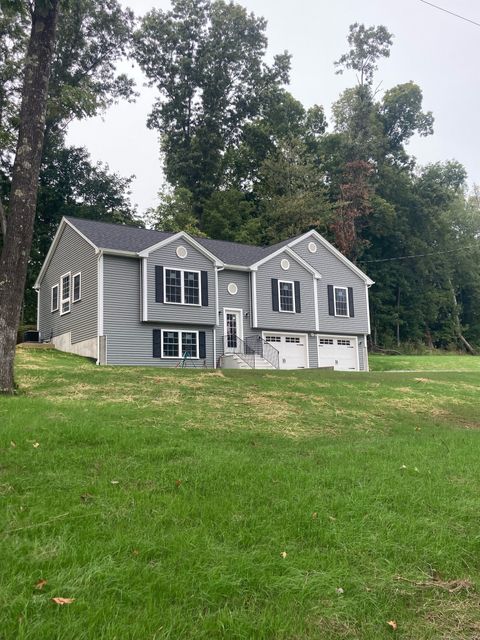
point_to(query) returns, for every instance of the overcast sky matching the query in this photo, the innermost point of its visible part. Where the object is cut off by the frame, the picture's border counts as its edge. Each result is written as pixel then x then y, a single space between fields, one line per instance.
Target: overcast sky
pixel 437 51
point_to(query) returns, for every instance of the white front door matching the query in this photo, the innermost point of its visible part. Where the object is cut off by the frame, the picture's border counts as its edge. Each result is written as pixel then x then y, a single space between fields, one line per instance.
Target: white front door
pixel 338 352
pixel 233 329
pixel 292 349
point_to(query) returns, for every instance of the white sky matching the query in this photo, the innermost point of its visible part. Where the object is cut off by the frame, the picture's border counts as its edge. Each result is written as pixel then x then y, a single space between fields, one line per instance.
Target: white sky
pixel 435 50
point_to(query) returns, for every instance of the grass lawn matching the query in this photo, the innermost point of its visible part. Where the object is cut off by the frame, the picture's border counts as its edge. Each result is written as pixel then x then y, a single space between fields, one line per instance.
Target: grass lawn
pixel 239 505
pixel 433 362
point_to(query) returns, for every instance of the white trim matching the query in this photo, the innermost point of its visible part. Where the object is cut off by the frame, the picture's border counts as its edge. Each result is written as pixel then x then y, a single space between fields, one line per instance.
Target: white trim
pixel 272 332
pixel 294 310
pixel 38 312
pixel 340 336
pixel 286 249
pixel 182 286
pixel 214 346
pixel 240 313
pixel 69 298
pixel 254 297
pixel 365 354
pixel 340 315
pixel 236 267
pixel 217 308
pixel 118 252
pixel 368 310
pixel 100 292
pixel 144 267
pixel 55 286
pixel 79 273
pixel 335 252
pixel 315 302
pixel 178 236
pixel 180 350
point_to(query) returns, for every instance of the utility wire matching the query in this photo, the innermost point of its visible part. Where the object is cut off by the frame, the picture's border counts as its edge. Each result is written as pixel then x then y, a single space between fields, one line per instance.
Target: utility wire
pixel 422 255
pixel 457 15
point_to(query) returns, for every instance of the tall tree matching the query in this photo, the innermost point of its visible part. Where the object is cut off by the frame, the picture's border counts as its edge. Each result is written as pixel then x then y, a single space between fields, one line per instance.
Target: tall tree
pixel 206 58
pixel 18 228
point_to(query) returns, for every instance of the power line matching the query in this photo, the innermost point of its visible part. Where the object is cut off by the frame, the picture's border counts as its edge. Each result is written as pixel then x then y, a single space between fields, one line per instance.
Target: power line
pixel 423 255
pixel 457 15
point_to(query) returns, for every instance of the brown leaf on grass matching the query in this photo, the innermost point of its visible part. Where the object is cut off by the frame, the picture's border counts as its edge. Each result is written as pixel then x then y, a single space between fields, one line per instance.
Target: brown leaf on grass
pixel 135 552
pixel 393 625
pixel 178 483
pixel 40 584
pixel 283 554
pixel 36 445
pixel 314 515
pixel 63 601
pixel 13 444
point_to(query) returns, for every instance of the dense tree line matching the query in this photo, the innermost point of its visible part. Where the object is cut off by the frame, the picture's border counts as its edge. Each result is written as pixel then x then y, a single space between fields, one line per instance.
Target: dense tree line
pixel 244 160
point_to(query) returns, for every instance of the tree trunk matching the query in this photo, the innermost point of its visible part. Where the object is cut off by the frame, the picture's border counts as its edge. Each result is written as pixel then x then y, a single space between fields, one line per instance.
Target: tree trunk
pixel 457 323
pixel 17 239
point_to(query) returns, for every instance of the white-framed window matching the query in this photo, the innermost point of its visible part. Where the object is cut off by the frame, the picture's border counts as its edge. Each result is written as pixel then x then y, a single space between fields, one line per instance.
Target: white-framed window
pixel 77 287
pixel 325 341
pixel 343 343
pixel 273 339
pixel 286 297
pixel 65 286
pixel 341 301
pixel 182 287
pixel 54 306
pixel 292 340
pixel 176 343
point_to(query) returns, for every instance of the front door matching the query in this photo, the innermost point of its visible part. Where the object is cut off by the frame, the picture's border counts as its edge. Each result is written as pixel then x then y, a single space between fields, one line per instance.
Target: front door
pixel 233 330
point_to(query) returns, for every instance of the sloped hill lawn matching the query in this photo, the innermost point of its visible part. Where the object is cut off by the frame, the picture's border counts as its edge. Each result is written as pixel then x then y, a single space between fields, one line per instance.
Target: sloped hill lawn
pixel 200 504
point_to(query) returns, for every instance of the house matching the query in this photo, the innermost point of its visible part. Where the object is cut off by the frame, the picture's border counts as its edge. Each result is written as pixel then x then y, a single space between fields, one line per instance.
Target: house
pixel 130 296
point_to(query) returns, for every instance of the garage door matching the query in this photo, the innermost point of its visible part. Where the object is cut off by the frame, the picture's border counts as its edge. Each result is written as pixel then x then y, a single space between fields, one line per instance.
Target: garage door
pixel 338 352
pixel 292 350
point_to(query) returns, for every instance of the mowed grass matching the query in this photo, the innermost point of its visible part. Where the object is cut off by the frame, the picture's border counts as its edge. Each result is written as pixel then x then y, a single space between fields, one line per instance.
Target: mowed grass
pixel 431 362
pixel 237 505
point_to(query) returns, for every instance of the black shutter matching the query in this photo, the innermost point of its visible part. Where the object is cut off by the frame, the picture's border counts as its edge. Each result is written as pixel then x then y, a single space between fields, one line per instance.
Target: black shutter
pixel 331 301
pixel 157 343
pixel 275 294
pixel 350 302
pixel 298 302
pixel 204 275
pixel 158 284
pixel 202 349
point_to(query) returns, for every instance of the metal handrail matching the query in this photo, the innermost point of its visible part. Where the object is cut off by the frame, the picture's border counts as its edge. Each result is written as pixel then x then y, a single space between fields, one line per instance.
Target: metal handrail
pixel 251 347
pixel 264 349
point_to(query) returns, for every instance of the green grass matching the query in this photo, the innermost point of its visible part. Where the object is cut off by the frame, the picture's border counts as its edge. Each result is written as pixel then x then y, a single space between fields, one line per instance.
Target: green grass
pixel 433 362
pixel 162 502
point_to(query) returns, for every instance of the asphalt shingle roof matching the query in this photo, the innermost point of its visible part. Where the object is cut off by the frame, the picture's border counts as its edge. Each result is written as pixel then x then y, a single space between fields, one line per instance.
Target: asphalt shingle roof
pixel 118 237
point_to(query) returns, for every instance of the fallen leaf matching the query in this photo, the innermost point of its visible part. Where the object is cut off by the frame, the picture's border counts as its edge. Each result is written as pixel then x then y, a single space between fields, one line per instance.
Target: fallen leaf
pixel 178 483
pixel 40 584
pixel 404 466
pixel 417 428
pixel 283 554
pixel 392 624
pixel 332 518
pixel 135 552
pixel 86 497
pixel 114 481
pixel 63 600
pixel 36 445
pixel 314 515
pixel 13 444
pixel 339 590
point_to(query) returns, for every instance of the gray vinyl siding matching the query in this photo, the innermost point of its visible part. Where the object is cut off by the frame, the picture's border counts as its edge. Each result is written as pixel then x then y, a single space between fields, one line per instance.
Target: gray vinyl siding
pixel 312 351
pixel 196 261
pixel 336 273
pixel 128 340
pixel 241 300
pixel 362 353
pixel 269 319
pixel 73 254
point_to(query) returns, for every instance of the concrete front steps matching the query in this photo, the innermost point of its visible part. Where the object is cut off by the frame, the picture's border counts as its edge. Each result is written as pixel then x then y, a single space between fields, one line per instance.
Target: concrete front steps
pixel 233 361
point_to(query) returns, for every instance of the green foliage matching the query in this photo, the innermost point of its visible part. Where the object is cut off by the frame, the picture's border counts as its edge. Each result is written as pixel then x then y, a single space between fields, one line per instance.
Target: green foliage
pixel 367 46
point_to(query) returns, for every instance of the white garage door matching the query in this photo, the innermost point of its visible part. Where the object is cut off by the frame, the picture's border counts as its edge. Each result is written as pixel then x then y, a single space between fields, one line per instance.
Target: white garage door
pixel 292 350
pixel 338 352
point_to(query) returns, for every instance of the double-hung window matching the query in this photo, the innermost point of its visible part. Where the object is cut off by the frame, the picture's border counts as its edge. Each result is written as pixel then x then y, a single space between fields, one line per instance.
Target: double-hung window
pixel 175 344
pixel 182 287
pixel 65 286
pixel 77 287
pixel 54 298
pixel 286 297
pixel 341 301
